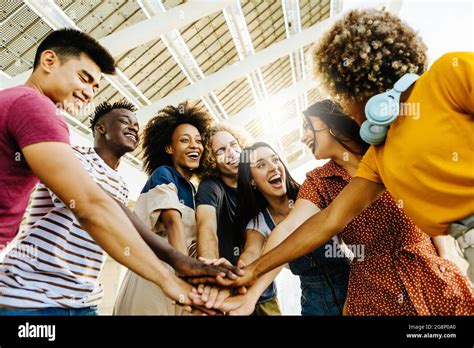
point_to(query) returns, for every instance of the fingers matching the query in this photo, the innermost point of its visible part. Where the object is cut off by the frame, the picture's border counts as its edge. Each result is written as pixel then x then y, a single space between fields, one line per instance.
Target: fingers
pixel 221 296
pixel 242 290
pixel 226 282
pixel 205 293
pixel 196 298
pixel 212 297
pixel 231 271
pixel 241 264
pixel 200 288
pixel 203 280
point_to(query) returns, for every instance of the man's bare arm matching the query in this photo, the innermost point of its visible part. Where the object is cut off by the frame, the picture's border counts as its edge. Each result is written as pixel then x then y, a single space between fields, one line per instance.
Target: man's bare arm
pixel 184 265
pixel 207 242
pixel 57 167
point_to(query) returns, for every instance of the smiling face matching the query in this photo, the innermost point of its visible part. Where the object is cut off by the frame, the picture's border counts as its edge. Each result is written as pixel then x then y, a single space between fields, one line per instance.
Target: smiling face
pixel 267 172
pixel 70 82
pixel 323 142
pixel 120 129
pixel 185 148
pixel 226 150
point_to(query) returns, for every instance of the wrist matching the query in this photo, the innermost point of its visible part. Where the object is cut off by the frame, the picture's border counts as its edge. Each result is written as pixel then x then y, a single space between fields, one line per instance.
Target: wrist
pixel 253 294
pixel 162 276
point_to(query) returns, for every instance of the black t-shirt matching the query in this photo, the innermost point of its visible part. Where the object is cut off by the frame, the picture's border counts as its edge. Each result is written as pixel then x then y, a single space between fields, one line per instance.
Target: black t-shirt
pixel 216 193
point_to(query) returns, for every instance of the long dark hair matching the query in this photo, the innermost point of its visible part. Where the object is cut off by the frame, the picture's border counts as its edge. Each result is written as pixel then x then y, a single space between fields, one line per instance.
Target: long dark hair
pixel 250 201
pixel 341 126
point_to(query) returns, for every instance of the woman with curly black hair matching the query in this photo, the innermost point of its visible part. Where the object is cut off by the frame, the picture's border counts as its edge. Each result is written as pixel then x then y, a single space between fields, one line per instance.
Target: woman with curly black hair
pixel 173 149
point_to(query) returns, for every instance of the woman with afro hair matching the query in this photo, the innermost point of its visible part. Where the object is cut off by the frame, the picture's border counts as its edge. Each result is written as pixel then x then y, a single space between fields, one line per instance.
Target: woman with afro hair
pixel 426 160
pixel 172 151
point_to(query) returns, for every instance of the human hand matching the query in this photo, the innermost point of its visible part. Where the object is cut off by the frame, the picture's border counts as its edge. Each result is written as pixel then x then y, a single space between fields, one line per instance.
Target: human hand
pixel 248 278
pixel 237 305
pixel 205 272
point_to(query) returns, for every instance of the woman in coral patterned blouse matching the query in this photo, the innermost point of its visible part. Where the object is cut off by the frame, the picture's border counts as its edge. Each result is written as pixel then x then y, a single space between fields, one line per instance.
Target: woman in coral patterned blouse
pixel 396 270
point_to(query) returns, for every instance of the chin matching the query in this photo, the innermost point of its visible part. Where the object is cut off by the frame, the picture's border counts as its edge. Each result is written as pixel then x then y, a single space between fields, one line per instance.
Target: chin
pixel 127 148
pixel 192 166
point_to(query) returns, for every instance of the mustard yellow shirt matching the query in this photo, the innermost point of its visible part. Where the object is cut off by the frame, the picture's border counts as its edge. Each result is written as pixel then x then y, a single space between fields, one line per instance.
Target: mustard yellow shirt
pixel 427 160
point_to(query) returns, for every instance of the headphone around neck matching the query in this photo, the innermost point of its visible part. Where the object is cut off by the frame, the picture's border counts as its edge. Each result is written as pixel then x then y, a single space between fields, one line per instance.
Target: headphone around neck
pixel 382 109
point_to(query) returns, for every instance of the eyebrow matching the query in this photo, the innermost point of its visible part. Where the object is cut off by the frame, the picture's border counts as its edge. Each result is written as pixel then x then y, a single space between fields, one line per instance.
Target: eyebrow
pixel 129 119
pixel 219 148
pixel 263 158
pixel 90 78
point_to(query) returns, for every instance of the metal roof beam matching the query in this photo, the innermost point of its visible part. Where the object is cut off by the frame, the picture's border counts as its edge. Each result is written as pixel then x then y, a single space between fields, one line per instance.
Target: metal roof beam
pixel 135 35
pixel 233 72
pixel 180 52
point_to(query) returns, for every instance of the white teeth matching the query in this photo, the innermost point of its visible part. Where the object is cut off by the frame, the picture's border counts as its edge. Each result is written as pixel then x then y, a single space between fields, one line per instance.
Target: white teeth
pixel 276 176
pixel 131 136
pixel 193 154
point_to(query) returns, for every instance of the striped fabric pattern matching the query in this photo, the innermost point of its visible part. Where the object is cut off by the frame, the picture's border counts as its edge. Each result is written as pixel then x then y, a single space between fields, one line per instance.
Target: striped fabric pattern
pixel 55 263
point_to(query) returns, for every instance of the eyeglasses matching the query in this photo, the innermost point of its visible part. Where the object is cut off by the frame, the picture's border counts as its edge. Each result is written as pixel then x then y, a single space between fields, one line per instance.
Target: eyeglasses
pixel 309 126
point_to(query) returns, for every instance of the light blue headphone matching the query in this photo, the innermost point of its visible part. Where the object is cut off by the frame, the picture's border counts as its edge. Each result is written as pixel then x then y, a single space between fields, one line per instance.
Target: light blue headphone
pixel 382 109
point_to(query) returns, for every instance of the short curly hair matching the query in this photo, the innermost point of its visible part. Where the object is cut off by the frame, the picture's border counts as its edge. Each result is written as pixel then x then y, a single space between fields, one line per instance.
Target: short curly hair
pixel 365 53
pixel 209 164
pixel 159 130
pixel 104 108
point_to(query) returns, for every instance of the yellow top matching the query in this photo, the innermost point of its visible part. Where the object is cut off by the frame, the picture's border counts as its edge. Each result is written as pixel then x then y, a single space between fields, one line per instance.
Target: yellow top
pixel 427 160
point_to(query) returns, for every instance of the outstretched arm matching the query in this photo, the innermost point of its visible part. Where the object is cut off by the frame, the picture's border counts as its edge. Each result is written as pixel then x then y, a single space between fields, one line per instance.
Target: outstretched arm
pixel 321 227
pixel 57 167
pixel 316 230
pixel 245 304
pixel 184 265
pixel 207 242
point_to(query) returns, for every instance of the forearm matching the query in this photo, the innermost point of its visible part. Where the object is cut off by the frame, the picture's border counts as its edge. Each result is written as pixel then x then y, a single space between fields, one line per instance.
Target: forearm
pixel 276 237
pixel 248 256
pixel 208 245
pixel 112 230
pixel 158 244
pixel 302 241
pixel 177 238
pixel 319 228
pixel 256 290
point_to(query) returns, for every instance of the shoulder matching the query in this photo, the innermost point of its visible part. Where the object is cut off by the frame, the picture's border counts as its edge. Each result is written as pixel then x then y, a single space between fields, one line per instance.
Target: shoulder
pixel 164 175
pixel 319 180
pixel 327 170
pixel 210 185
pixel 452 59
pixel 26 98
pixel 451 63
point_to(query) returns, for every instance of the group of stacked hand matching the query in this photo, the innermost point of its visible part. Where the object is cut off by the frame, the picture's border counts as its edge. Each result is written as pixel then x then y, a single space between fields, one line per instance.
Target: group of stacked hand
pixel 219 287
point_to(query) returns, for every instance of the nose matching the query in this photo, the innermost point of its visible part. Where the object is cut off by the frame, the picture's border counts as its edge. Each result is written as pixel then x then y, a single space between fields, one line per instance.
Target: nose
pixel 193 144
pixel 88 93
pixel 303 138
pixel 273 166
pixel 231 153
pixel 133 127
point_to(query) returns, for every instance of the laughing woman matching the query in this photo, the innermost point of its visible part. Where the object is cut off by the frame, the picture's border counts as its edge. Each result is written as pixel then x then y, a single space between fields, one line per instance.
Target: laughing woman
pixel 265 197
pixel 172 153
